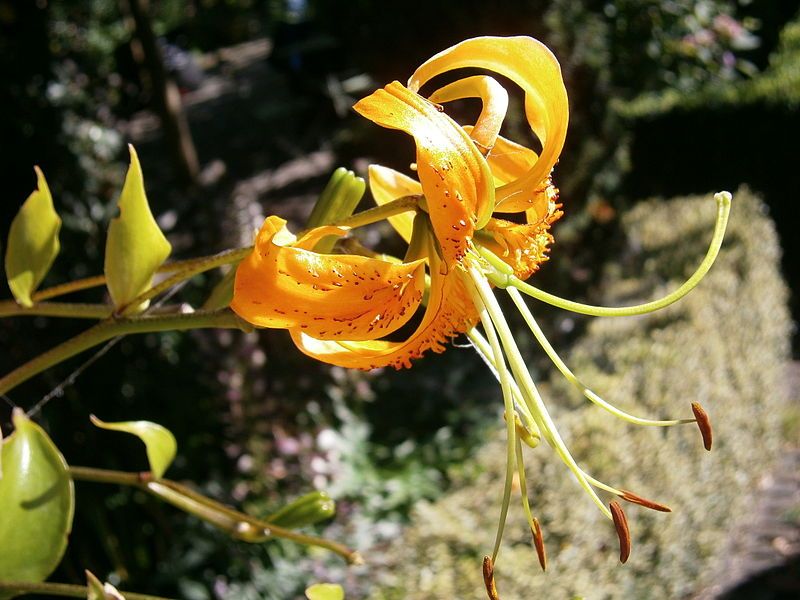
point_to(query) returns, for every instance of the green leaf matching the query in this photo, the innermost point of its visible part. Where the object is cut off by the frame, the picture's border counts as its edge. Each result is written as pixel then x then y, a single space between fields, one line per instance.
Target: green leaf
pixel 32 242
pixel 98 591
pixel 158 440
pixel 306 510
pixel 135 247
pixel 325 591
pixel 37 499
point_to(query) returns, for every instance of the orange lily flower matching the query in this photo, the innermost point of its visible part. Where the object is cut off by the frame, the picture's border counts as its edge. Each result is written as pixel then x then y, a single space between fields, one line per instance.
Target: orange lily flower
pixel 339 308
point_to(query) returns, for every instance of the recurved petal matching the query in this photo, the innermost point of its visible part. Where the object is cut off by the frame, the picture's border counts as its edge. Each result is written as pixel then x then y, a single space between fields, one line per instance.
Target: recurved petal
pixel 455 178
pixel 533 67
pixel 329 296
pixel 386 185
pixel 495 103
pixel 448 313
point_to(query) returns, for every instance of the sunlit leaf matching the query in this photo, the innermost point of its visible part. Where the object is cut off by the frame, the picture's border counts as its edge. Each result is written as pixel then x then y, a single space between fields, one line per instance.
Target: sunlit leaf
pixel 99 591
pixel 325 591
pixel 158 440
pixel 32 242
pixel 37 499
pixel 135 247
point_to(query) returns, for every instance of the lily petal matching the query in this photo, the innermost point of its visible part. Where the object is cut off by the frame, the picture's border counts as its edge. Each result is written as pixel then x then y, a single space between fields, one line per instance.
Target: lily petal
pixel 329 296
pixel 495 104
pixel 449 312
pixel 386 185
pixel 533 67
pixel 456 180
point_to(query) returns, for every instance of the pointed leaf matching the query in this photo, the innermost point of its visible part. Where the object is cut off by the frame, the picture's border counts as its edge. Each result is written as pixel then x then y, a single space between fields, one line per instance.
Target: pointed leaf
pixel 158 440
pixel 325 591
pixel 99 591
pixel 306 510
pixel 32 242
pixel 37 499
pixel 135 247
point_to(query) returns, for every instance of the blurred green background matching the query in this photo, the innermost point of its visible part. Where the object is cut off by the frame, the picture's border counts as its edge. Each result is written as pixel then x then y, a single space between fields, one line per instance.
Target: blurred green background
pixel 243 111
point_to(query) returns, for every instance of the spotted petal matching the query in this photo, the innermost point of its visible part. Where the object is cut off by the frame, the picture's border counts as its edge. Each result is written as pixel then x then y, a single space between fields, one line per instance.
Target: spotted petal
pixel 533 67
pixel 455 178
pixel 449 312
pixel 329 296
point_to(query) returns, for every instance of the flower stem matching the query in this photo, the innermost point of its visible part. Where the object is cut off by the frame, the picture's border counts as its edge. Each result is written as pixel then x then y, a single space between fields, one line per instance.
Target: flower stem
pixel 237 524
pixel 23 588
pixel 379 213
pixel 113 327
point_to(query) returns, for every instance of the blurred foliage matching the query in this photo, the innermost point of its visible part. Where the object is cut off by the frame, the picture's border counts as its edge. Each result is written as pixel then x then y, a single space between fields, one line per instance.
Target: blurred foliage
pixel 725 345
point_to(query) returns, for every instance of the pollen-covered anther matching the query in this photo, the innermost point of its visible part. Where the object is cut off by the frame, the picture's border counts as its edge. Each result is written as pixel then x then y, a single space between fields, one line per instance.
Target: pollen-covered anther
pixel 641 501
pixel 704 424
pixel 538 543
pixel 624 534
pixel 488 578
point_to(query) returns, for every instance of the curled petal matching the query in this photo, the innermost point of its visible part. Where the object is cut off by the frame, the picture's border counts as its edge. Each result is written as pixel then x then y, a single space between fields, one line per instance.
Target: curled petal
pixel 329 296
pixel 455 178
pixel 533 67
pixel 495 103
pixel 386 185
pixel 449 312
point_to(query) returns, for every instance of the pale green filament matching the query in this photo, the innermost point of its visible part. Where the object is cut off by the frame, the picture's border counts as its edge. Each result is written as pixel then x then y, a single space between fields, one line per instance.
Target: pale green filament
pixel 530 392
pixel 511 439
pixel 484 350
pixel 523 487
pixel 503 277
pixel 570 376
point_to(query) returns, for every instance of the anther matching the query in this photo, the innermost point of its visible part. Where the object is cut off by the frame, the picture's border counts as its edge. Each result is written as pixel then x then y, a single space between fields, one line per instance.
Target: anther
pixel 624 534
pixel 488 578
pixel 538 543
pixel 703 423
pixel 637 499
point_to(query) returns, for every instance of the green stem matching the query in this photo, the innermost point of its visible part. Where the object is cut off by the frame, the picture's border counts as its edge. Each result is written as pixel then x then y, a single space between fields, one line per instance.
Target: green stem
pixel 112 328
pixel 69 287
pixel 9 308
pixel 237 524
pixel 23 588
pixel 379 213
pixel 190 269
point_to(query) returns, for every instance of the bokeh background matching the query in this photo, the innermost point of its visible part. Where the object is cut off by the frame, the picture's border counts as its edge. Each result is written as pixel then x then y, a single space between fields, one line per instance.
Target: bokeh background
pixel 241 108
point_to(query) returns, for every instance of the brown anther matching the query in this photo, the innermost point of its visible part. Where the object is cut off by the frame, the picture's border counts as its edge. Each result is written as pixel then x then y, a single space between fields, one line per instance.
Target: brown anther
pixel 488 578
pixel 538 543
pixel 624 534
pixel 704 423
pixel 637 499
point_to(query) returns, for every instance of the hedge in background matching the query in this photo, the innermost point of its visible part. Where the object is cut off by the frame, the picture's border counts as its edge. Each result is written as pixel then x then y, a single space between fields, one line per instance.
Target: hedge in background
pixel 725 345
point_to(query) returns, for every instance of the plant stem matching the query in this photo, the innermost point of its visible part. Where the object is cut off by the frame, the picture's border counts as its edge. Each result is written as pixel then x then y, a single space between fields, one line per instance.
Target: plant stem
pixel 69 287
pixel 190 269
pixel 23 588
pixel 114 327
pixel 9 308
pixel 237 524
pixel 379 213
